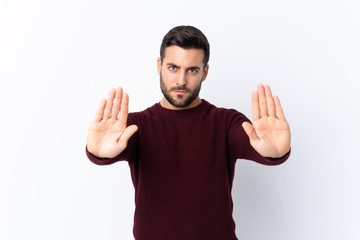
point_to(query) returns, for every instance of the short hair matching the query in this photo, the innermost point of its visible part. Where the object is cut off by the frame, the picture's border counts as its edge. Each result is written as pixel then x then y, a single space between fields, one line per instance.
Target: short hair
pixel 186 37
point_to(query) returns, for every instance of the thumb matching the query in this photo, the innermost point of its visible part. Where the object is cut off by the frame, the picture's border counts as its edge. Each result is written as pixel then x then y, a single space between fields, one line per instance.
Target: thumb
pixel 250 131
pixel 129 131
pixel 126 135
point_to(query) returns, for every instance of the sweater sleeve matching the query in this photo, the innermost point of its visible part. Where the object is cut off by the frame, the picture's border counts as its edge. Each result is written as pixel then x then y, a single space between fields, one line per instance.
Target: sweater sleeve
pixel 239 143
pixel 129 154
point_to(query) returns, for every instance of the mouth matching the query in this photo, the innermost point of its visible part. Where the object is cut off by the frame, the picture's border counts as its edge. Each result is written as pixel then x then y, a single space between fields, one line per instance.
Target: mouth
pixel 180 92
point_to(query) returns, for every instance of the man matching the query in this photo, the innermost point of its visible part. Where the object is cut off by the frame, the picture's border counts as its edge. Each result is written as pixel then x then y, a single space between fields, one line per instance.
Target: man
pixel 182 150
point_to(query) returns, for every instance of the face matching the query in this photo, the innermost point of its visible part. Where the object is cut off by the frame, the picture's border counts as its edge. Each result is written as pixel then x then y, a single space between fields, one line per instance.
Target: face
pixel 181 74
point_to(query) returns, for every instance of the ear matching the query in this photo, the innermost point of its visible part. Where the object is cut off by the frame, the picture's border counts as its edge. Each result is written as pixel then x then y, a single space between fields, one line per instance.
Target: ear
pixel 206 70
pixel 159 63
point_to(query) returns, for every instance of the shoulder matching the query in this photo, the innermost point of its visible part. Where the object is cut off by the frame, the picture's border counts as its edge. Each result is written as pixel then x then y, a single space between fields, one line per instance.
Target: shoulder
pixel 228 117
pixel 138 117
pixel 231 115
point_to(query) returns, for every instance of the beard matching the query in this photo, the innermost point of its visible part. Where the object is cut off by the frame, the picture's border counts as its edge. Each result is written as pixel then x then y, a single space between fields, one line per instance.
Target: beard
pixel 179 100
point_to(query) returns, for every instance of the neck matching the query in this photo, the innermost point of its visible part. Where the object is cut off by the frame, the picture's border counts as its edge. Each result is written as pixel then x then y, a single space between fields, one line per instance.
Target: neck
pixel 165 104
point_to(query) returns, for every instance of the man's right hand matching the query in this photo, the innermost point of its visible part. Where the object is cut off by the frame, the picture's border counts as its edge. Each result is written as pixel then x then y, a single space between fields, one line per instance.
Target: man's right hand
pixel 108 134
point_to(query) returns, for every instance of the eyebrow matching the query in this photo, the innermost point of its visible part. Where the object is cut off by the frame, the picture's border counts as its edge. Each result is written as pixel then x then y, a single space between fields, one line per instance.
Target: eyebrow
pixel 192 67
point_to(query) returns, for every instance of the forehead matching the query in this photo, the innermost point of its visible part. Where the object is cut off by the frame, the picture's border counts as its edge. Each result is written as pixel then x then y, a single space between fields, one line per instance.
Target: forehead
pixel 184 57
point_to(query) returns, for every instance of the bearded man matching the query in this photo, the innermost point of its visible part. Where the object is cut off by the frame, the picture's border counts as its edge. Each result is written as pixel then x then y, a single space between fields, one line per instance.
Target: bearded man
pixel 182 151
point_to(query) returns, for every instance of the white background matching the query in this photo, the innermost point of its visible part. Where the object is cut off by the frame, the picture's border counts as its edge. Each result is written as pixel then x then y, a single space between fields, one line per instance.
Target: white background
pixel 59 58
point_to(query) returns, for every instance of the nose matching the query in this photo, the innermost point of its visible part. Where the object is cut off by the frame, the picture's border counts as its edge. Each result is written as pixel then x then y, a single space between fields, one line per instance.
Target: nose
pixel 181 80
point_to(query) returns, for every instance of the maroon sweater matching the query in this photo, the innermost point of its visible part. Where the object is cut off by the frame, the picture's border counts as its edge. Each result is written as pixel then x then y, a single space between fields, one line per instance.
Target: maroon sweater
pixel 182 167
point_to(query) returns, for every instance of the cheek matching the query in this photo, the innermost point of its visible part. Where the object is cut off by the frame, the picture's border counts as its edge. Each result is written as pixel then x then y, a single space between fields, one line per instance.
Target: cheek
pixel 195 80
pixel 168 78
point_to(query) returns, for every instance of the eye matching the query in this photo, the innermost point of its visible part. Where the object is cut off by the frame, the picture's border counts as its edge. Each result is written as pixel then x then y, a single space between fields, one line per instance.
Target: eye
pixel 172 68
pixel 193 71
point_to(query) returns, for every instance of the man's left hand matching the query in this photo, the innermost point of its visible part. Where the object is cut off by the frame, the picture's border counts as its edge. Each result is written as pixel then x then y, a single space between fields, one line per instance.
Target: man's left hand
pixel 270 132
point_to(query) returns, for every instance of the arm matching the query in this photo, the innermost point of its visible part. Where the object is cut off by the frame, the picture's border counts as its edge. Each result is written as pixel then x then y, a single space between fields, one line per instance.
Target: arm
pixel 269 134
pixel 109 134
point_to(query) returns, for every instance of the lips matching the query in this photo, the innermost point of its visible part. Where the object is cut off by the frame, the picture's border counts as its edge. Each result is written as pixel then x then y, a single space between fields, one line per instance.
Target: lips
pixel 180 92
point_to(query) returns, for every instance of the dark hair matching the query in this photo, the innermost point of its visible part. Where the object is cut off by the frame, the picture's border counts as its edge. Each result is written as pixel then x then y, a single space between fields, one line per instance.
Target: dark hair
pixel 186 37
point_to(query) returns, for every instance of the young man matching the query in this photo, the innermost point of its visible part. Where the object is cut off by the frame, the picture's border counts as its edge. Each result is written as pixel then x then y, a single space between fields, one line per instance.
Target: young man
pixel 182 150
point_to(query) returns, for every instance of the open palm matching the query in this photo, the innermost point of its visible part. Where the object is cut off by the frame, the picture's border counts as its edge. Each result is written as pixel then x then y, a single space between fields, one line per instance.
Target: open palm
pixel 108 134
pixel 270 132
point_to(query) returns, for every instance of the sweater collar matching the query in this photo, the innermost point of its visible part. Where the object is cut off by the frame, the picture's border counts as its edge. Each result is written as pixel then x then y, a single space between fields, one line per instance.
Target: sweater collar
pixel 203 105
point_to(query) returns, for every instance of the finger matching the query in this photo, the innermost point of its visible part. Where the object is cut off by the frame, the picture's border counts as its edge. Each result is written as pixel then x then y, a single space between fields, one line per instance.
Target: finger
pixel 270 102
pixel 279 111
pixel 117 103
pixel 109 104
pixel 124 110
pixel 128 132
pixel 262 100
pixel 100 111
pixel 250 131
pixel 255 106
